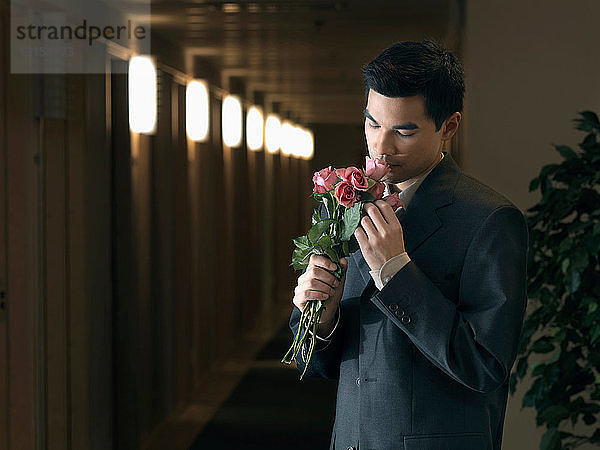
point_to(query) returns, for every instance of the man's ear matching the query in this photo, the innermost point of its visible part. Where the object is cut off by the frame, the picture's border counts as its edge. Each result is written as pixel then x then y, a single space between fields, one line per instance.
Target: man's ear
pixel 450 126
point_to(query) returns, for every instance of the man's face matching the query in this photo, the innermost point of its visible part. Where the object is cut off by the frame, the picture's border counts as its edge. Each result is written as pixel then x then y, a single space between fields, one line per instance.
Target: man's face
pixel 398 133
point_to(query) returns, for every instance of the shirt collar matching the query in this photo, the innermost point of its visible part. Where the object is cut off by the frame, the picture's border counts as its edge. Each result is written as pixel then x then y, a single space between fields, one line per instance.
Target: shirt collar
pixel 407 193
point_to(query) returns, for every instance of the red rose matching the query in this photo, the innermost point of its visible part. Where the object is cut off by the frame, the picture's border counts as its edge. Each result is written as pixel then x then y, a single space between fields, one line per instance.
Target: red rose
pixel 345 194
pixel 377 190
pixel 354 176
pixel 324 180
pixel 394 201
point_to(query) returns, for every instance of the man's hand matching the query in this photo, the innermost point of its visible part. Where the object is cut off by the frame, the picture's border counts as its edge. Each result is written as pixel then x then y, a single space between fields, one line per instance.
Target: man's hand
pixel 379 234
pixel 318 284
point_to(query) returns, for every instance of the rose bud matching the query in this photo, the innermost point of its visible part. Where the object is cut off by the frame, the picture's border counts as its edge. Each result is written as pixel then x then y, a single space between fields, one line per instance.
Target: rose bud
pixel 394 201
pixel 376 169
pixel 377 190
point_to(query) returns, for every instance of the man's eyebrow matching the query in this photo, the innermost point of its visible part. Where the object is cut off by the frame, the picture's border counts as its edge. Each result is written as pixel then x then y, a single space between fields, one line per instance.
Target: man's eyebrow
pixel 402 126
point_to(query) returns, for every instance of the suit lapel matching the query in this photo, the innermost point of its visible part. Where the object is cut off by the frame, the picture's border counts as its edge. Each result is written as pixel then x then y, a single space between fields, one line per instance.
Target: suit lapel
pixel 420 220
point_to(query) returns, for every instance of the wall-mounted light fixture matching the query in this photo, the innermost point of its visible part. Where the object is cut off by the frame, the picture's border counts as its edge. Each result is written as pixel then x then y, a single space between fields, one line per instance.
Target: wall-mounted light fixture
pixel 287 138
pixel 197 115
pixel 254 128
pixel 142 94
pixel 231 122
pixel 307 147
pixel 272 133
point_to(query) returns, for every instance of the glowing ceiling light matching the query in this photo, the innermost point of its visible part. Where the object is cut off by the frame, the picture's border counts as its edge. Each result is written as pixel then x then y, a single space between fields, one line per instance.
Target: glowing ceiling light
pixel 254 128
pixel 232 121
pixel 272 133
pixel 142 94
pixel 197 110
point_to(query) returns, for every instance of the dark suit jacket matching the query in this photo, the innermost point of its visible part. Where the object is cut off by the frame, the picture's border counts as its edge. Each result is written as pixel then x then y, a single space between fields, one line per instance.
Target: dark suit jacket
pixel 424 363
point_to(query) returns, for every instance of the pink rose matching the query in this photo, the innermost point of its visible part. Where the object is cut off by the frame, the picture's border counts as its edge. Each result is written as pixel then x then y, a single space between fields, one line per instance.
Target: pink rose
pixel 377 190
pixel 324 180
pixel 345 194
pixel 394 201
pixel 376 169
pixel 355 177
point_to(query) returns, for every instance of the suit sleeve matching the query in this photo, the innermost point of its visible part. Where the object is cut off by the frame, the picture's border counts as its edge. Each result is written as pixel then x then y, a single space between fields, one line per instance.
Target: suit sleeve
pixel 474 341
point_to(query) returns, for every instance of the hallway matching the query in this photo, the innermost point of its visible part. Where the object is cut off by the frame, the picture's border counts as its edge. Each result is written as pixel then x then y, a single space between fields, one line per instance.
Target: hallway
pixel 150 189
pixel 271 409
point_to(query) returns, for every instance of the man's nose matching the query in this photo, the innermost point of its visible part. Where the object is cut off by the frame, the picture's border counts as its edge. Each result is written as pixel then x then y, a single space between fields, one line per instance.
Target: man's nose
pixel 384 145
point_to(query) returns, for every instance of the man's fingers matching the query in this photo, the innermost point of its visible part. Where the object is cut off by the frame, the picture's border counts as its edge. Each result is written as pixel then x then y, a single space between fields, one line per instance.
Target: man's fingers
pixel 368 227
pixel 321 274
pixel 319 285
pixel 374 214
pixel 387 212
pixel 361 236
pixel 322 261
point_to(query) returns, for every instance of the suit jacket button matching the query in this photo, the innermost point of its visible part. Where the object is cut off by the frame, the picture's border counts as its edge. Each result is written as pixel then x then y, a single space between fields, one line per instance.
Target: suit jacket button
pixel 358 381
pixel 393 307
pixel 350 448
pixel 405 320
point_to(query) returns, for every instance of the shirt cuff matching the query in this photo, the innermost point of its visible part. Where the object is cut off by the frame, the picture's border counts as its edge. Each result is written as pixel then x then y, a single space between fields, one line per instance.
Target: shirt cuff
pixel 389 269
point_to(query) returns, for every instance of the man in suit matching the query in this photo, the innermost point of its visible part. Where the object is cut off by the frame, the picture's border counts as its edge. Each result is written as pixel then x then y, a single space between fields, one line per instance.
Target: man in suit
pixel 422 330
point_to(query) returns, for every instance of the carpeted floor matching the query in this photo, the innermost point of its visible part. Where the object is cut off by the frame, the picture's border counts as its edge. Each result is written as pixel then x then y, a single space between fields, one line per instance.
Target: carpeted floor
pixel 272 409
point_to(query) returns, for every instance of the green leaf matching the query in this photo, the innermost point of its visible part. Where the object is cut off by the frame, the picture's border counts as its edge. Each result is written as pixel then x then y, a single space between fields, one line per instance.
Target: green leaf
pixel 315 217
pixel 533 185
pixel 324 241
pixel 554 414
pixel 302 242
pixel 550 440
pixel 318 229
pixel 565 265
pixel 590 117
pixel 330 252
pixel 353 245
pixel 595 333
pixel 350 219
pixel 573 281
pixel 566 151
pixel 366 197
pixel 542 346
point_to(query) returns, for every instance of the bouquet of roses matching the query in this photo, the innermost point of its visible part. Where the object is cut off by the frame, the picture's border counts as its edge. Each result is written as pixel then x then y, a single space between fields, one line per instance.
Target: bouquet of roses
pixel 343 192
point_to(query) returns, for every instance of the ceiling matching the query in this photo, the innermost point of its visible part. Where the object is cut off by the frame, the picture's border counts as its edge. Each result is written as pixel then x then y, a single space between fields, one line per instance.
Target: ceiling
pixel 304 56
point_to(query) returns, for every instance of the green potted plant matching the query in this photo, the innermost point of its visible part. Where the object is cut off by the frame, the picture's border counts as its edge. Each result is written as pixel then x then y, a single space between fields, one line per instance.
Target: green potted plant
pixel 564 292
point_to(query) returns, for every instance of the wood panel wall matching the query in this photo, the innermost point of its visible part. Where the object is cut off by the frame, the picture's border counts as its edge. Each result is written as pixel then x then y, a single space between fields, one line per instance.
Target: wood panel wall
pixel 131 266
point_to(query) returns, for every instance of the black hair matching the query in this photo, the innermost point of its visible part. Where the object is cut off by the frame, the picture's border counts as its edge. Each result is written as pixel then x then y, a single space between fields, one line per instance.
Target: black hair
pixel 411 68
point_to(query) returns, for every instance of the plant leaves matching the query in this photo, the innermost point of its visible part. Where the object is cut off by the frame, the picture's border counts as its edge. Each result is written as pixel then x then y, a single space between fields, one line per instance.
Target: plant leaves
pixel 550 440
pixel 317 230
pixel 554 414
pixel 350 219
pixel 565 151
pixel 542 346
pixel 302 242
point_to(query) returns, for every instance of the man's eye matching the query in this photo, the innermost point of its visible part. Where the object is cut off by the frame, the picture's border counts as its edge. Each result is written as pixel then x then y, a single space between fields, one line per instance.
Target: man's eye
pixel 373 126
pixel 404 135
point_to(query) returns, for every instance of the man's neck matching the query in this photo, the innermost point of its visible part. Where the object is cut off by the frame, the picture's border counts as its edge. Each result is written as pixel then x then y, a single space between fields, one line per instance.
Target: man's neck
pixel 403 185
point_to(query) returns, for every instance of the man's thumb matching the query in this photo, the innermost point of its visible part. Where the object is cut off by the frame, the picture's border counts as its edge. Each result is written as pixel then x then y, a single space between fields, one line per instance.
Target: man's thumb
pixel 344 263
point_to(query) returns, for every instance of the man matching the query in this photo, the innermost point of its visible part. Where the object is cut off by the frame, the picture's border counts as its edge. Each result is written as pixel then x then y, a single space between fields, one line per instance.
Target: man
pixel 422 331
